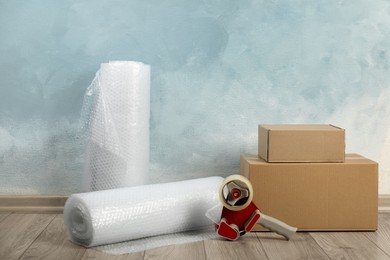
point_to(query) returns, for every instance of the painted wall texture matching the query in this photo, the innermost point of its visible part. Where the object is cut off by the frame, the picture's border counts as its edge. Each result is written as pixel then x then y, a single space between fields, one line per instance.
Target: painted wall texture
pixel 219 68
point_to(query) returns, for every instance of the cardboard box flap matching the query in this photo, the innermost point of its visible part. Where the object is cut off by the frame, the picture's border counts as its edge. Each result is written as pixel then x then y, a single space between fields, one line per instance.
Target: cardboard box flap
pixel 302 127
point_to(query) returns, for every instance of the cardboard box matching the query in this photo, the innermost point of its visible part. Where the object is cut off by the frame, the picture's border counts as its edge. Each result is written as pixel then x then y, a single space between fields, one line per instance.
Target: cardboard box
pixel 316 196
pixel 301 143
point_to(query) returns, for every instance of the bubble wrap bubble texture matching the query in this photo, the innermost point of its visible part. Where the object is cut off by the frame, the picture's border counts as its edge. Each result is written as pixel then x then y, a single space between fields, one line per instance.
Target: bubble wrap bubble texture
pixel 115 118
pixel 146 243
pixel 111 216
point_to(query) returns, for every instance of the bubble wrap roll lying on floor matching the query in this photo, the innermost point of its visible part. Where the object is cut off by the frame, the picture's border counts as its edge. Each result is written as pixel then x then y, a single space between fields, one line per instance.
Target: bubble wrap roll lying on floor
pixel 111 216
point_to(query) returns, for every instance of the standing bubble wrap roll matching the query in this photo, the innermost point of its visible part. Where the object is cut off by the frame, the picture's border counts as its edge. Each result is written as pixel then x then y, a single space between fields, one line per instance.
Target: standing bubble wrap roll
pixel 111 216
pixel 115 117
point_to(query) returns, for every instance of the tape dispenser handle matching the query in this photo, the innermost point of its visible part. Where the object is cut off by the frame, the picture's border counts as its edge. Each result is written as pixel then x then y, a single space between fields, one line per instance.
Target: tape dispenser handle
pixel 277 226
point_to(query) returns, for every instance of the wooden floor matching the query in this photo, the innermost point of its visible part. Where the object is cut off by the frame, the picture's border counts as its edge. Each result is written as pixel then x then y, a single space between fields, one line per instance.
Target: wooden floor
pixel 42 236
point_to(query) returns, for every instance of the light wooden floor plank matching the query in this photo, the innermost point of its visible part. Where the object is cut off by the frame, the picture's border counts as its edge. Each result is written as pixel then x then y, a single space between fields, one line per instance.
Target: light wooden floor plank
pixel 189 251
pixel 53 243
pixel 97 255
pixel 42 236
pixel 301 246
pixel 382 236
pixel 3 215
pixel 348 245
pixel 246 247
pixel 18 231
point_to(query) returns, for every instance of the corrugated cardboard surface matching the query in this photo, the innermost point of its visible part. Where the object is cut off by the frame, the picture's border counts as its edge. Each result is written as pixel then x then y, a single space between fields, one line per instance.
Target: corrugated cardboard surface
pixel 316 196
pixel 301 143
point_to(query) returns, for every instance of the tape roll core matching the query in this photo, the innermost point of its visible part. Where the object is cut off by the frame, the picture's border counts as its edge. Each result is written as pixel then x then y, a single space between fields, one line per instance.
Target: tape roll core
pixel 232 178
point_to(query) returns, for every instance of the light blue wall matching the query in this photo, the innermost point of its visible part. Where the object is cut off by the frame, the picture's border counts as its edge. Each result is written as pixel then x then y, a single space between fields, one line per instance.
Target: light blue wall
pixel 219 68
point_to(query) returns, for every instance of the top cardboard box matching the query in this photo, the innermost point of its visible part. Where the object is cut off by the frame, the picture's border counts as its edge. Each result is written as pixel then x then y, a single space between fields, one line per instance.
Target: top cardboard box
pixel 301 143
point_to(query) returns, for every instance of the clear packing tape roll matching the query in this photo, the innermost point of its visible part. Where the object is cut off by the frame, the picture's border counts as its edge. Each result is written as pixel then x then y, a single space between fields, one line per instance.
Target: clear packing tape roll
pixel 115 117
pixel 139 213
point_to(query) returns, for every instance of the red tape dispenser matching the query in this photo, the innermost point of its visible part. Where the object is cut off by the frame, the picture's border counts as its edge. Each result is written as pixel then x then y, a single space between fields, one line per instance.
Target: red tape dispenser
pixel 240 214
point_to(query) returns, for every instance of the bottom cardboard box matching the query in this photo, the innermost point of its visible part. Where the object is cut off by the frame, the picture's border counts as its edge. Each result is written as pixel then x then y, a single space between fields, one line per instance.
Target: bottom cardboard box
pixel 316 196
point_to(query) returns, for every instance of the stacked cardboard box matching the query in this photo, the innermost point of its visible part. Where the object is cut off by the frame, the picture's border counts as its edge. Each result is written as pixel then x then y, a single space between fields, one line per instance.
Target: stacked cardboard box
pixel 302 176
